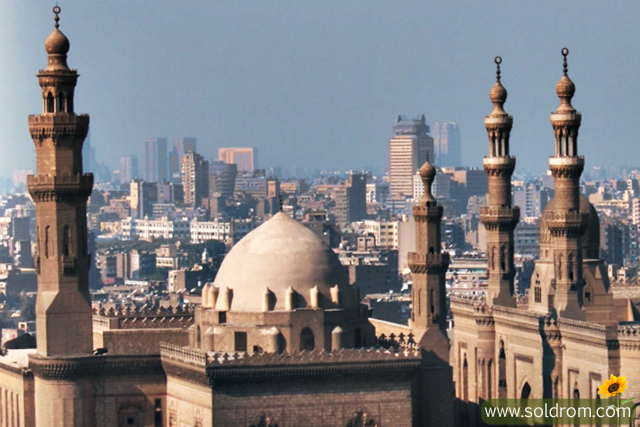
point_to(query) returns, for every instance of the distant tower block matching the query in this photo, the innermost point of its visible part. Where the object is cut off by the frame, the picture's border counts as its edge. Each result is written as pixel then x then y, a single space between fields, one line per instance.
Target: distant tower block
pixel 499 217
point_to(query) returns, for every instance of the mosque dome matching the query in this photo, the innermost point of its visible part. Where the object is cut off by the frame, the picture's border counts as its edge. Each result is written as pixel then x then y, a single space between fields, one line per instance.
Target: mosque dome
pixel 281 255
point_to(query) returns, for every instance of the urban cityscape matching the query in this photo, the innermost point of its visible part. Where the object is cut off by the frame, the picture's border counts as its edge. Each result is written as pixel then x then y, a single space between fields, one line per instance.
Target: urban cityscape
pixel 176 288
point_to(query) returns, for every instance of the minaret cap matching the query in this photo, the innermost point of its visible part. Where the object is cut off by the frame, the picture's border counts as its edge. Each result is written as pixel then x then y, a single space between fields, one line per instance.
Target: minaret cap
pixel 565 87
pixel 57 46
pixel 498 93
pixel 427 173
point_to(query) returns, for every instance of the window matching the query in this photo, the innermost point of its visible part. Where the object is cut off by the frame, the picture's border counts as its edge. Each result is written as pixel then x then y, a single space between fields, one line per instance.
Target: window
pixel 240 341
pixel 538 294
pixel 307 340
pixel 222 317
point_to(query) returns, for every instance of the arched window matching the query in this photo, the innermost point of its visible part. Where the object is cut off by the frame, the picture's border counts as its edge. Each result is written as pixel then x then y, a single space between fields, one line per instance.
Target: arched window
pixel 60 103
pixel 432 301
pixel 526 391
pixel 503 259
pixel 465 380
pixel 307 340
pixel 560 262
pixel 502 372
pixel 50 103
pixel 198 337
pixel 46 241
pixel 570 266
pixel 490 379
pixel 66 241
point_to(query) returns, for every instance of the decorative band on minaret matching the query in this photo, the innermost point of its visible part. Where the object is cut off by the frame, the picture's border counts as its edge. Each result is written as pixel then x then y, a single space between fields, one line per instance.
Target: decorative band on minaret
pixel 566 222
pixel 499 216
pixel 60 190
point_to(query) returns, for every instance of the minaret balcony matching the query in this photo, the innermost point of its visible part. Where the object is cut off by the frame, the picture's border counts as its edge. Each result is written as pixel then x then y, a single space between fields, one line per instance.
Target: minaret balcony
pixel 500 218
pixel 499 160
pixel 424 212
pixel 563 161
pixel 46 187
pixel 59 125
pixel 428 263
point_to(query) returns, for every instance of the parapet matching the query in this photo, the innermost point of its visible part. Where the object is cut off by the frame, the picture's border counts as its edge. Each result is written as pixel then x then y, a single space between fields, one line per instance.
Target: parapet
pixel 143 318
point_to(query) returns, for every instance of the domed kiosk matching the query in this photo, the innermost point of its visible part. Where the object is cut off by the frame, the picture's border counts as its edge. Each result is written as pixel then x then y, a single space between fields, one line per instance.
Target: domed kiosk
pixel 281 288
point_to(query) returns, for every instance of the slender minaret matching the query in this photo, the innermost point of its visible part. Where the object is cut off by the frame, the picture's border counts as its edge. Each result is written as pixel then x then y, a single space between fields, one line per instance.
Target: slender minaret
pixel 60 191
pixel 566 223
pixel 428 267
pixel 499 217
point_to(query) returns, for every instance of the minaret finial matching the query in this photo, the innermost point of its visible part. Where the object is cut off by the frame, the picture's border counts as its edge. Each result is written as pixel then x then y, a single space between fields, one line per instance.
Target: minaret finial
pixel 565 52
pixel 498 61
pixel 56 10
pixel 280 200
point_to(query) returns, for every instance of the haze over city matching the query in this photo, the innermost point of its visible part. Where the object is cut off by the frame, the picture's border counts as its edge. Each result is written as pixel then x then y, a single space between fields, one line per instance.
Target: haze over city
pixel 319 85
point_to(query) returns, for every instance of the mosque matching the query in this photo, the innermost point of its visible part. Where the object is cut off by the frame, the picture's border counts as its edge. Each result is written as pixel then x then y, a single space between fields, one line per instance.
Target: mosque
pixel 281 337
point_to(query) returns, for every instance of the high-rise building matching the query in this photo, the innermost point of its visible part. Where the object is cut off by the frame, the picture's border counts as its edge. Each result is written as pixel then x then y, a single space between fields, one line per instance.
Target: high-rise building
pixel 351 199
pixel 447 146
pixel 246 158
pixel 128 168
pixel 195 178
pixel 143 196
pixel 155 160
pixel 181 146
pixel 532 198
pixel 408 150
pixel 222 178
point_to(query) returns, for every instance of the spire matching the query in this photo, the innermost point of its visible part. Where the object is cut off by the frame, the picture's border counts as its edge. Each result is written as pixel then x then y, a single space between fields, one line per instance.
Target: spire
pixel 566 120
pixel 56 10
pixel 498 93
pixel 57 45
pixel 498 122
pixel 427 174
pixel 565 87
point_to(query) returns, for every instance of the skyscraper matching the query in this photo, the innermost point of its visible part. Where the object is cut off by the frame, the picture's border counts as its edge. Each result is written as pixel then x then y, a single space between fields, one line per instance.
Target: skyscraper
pixel 446 138
pixel 181 146
pixel 195 178
pixel 246 158
pixel 408 150
pixel 155 160
pixel 128 168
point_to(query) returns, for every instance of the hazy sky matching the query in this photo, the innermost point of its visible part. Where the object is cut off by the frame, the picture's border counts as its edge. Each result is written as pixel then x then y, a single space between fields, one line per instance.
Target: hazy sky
pixel 320 83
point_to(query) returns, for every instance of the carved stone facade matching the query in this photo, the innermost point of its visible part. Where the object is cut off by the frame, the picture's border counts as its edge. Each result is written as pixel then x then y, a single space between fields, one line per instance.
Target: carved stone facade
pixel 567 335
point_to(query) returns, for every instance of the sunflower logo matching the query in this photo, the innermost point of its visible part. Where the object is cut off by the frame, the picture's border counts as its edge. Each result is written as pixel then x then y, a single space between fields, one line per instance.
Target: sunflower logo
pixel 612 386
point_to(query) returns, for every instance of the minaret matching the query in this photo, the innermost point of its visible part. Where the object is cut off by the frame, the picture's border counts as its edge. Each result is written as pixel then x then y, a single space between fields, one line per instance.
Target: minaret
pixel 428 267
pixel 566 223
pixel 499 217
pixel 60 191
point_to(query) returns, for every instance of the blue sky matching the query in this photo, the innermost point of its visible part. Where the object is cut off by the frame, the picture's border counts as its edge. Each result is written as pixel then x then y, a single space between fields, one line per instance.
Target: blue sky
pixel 319 84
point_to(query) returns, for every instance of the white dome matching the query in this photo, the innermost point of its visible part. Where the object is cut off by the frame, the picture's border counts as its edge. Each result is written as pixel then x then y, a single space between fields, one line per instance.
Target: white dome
pixel 279 254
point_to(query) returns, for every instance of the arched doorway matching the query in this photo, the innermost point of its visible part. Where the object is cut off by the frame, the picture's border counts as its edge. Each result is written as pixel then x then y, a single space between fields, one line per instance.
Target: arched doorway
pixel 526 391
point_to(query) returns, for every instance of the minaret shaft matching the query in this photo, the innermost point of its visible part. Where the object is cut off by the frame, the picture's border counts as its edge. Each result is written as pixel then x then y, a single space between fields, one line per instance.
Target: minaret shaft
pixel 60 191
pixel 566 222
pixel 428 268
pixel 499 217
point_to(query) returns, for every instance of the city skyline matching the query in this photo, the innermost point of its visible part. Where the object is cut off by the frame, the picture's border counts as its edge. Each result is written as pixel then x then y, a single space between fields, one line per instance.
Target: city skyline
pixel 320 83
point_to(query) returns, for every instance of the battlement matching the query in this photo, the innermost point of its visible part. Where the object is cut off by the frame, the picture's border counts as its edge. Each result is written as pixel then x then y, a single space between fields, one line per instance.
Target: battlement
pixel 318 356
pixel 143 318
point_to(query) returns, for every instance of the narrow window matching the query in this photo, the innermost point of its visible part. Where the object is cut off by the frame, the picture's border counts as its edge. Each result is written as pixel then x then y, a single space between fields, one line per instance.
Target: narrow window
pixel 50 103
pixel 46 241
pixel 240 341
pixel 158 413
pixel 357 338
pixel 65 241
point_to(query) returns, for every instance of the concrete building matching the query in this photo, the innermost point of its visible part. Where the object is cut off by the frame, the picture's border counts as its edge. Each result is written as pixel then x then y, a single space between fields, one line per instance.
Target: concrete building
pixel 195 179
pixel 155 160
pixel 408 150
pixel 222 178
pixel 447 145
pixel 128 168
pixel 246 158
pixel 351 199
pixel 143 196
pixel 181 146
pixel 532 198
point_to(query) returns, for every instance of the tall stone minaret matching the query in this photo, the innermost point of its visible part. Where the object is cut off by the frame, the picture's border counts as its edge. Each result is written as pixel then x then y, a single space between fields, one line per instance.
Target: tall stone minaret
pixel 64 360
pixel 566 223
pixel 428 267
pixel 499 217
pixel 60 191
